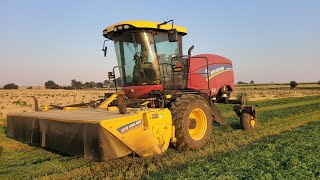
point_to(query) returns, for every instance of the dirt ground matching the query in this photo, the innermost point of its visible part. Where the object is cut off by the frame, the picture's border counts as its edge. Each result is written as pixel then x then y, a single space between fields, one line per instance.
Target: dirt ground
pixel 12 101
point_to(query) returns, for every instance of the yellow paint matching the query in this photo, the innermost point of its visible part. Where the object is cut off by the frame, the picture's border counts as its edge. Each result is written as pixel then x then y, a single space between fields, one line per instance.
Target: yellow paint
pixel 252 122
pixel 148 25
pixel 201 124
pixel 46 108
pixel 113 108
pixel 145 103
pixel 105 104
pixel 160 123
pixel 151 136
pixel 168 96
pixel 70 108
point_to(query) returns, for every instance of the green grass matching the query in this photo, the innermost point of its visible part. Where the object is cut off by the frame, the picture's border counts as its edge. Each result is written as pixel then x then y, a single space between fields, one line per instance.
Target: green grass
pixel 3 122
pixel 277 119
pixel 291 155
pixel 284 101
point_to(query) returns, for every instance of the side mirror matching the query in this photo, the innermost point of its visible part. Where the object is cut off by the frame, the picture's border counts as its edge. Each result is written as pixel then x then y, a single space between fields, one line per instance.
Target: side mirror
pixel 111 76
pixel 173 35
pixel 105 48
pixel 105 51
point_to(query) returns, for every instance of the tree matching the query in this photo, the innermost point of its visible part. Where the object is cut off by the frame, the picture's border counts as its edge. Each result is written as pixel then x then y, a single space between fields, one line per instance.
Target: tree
pixel 30 87
pixel 119 82
pixel 76 84
pixel 251 82
pixel 92 84
pixel 86 85
pixel 106 83
pixel 111 85
pixel 293 84
pixel 318 82
pixel 99 85
pixel 67 87
pixel 240 82
pixel 51 85
pixel 89 85
pixel 10 86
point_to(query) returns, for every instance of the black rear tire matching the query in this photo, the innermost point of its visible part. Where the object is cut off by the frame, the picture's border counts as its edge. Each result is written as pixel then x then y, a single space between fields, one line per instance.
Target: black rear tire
pixel 192 131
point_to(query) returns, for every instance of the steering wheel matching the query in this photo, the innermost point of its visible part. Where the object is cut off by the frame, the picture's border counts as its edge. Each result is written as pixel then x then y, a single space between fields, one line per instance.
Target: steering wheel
pixel 140 55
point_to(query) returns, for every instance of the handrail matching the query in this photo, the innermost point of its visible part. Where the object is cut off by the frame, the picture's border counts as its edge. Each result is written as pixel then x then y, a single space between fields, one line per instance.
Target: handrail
pixel 189 57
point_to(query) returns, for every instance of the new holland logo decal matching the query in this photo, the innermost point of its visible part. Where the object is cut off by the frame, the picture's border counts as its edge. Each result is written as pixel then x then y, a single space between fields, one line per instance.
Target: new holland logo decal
pixel 130 126
pixel 215 70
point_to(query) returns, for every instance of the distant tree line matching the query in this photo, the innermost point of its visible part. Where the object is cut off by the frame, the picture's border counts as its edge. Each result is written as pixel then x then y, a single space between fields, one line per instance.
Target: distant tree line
pixel 10 86
pixel 241 82
pixel 74 85
pixel 292 84
pixel 51 85
pixel 105 84
pixel 79 85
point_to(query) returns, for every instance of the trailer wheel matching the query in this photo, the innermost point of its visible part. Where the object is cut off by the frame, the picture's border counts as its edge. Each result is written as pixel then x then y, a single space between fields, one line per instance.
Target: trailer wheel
pixel 248 122
pixel 192 120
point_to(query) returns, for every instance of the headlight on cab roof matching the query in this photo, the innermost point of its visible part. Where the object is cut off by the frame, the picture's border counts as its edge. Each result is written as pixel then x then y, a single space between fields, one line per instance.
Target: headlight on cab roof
pixel 115 29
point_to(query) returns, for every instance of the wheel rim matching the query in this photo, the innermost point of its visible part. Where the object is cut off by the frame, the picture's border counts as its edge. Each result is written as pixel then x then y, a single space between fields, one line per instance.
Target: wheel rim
pixel 200 118
pixel 252 121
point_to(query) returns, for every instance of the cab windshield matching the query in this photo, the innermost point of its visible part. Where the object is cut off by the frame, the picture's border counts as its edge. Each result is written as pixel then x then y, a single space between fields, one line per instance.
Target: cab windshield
pixel 145 57
pixel 137 58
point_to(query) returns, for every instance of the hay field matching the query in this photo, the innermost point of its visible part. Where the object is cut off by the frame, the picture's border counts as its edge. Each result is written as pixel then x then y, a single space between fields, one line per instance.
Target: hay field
pixel 276 91
pixel 12 101
pixel 284 146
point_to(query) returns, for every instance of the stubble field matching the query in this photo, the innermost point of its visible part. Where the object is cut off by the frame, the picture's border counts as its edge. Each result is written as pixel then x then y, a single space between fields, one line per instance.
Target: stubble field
pixel 285 145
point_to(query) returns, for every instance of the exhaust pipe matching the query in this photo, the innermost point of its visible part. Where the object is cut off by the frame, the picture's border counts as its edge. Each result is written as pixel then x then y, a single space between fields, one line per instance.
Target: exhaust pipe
pixel 189 51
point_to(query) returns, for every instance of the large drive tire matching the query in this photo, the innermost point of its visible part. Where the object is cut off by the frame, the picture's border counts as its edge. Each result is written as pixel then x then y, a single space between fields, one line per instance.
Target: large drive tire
pixel 248 122
pixel 192 120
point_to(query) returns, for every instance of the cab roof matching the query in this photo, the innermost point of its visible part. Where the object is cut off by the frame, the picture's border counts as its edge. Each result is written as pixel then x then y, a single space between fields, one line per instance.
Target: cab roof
pixel 107 32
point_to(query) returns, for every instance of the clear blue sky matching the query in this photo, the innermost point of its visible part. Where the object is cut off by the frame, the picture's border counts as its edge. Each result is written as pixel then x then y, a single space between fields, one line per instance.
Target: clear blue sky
pixel 268 41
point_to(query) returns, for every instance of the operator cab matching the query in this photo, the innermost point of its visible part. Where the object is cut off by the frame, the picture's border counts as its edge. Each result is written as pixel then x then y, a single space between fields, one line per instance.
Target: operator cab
pixel 145 50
